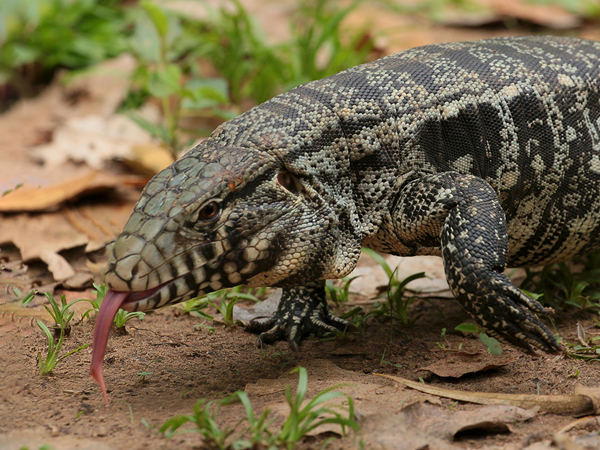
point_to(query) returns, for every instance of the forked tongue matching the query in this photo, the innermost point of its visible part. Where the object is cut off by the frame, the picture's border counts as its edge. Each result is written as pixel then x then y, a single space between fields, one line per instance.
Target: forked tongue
pixel 108 309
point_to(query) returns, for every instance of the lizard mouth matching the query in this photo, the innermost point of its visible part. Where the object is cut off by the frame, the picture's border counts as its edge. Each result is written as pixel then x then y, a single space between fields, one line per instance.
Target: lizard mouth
pixel 113 300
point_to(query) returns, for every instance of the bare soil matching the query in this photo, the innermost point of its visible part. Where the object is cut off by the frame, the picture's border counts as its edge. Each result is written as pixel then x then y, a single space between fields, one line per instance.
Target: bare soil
pixel 65 410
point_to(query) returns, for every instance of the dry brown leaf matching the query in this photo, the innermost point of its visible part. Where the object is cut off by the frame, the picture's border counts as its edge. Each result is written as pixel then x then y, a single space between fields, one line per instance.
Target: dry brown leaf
pixel 259 309
pixel 591 392
pixel 30 197
pixel 70 235
pixel 592 423
pixel 564 442
pixel 400 431
pixel 550 16
pixel 149 159
pixel 457 364
pixel 34 235
pixel 92 139
pixel 557 404
pixel 421 424
pixel 57 264
pixel 99 91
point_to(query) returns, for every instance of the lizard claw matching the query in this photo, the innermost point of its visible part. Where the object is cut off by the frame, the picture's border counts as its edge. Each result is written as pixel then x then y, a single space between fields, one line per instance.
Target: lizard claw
pixel 507 314
pixel 296 318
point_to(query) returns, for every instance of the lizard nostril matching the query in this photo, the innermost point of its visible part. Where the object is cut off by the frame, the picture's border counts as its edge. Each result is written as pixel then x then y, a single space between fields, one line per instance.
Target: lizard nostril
pixel 135 270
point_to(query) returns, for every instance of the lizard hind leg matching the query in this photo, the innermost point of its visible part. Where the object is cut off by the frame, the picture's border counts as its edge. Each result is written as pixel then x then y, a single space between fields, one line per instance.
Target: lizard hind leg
pixel 464 215
pixel 474 241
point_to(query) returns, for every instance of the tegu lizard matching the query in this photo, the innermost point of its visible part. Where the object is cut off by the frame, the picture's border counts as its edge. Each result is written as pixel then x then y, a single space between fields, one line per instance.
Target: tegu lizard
pixel 486 153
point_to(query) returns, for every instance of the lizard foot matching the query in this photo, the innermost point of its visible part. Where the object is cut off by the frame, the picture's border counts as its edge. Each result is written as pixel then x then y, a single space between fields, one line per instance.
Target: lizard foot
pixel 301 312
pixel 506 314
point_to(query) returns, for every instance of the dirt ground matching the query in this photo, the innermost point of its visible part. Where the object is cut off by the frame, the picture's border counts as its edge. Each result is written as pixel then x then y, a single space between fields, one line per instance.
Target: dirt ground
pixel 65 410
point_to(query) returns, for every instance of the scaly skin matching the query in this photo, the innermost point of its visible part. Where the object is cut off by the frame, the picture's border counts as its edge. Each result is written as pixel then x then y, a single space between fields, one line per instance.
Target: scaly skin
pixel 485 153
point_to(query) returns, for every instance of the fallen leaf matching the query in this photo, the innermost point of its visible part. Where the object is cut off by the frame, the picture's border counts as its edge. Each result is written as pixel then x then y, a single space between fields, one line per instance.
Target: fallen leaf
pixel 369 394
pixel 591 392
pixel 92 139
pixel 457 364
pixel 149 159
pixel 422 424
pixel 49 194
pixel 34 235
pixel 557 404
pixel 74 234
pixel 265 308
pixel 590 441
pixel 58 265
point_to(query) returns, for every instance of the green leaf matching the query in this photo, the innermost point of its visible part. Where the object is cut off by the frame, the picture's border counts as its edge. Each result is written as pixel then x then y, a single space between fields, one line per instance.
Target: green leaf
pixel 380 260
pixel 170 427
pixel 492 344
pixel 158 131
pixel 203 93
pixel 158 17
pixel 145 41
pixel 165 82
pixel 533 295
pixel 467 328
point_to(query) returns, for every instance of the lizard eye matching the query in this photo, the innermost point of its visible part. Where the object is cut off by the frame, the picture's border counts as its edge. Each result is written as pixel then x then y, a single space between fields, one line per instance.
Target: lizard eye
pixel 288 181
pixel 209 213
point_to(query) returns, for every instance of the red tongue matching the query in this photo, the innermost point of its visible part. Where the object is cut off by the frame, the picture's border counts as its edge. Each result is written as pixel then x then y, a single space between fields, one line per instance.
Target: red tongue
pixel 110 305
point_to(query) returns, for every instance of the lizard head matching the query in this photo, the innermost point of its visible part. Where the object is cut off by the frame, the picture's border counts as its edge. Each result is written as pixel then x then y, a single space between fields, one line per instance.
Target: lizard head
pixel 220 217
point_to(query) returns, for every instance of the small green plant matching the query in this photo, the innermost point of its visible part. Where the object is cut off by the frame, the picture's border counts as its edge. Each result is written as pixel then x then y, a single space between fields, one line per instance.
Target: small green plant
pixel 223 300
pixel 43 447
pixel 122 317
pixel 300 421
pixel 318 46
pixel 576 283
pixel 397 306
pixel 257 431
pixel 383 362
pixel 226 310
pixel 492 345
pixel 586 348
pixel 26 300
pixel 205 421
pixel 144 373
pixel 62 317
pixel 161 47
pixel 339 293
pixel 39 36
pixel 446 345
pixel 46 365
pixel 61 314
pixel 101 291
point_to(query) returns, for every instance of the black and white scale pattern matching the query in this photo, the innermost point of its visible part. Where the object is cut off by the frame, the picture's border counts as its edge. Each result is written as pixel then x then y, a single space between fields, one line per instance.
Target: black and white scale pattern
pixel 486 153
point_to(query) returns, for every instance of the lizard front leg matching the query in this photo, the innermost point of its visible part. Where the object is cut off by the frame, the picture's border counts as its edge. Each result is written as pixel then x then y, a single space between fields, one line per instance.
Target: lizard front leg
pixel 462 215
pixel 302 311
